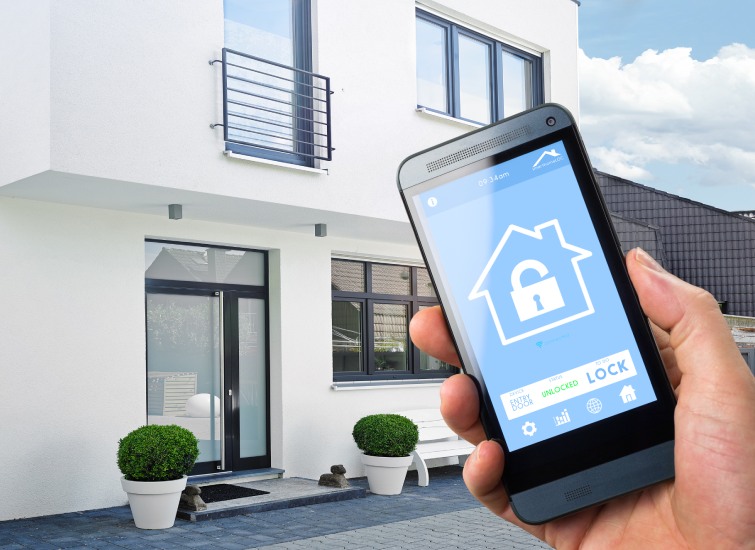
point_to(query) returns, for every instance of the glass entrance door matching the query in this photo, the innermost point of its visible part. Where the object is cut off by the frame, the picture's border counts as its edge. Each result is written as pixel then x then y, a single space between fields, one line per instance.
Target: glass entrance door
pixel 207 372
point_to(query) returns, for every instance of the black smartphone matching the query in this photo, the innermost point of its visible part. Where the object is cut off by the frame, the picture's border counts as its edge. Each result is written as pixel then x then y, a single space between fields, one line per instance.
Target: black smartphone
pixel 532 280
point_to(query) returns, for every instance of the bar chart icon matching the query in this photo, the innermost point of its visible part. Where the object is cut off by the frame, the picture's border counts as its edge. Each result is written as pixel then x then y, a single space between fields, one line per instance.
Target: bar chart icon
pixel 562 418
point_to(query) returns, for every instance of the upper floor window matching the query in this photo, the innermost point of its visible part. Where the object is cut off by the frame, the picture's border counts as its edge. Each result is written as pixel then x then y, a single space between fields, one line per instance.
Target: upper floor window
pixel 275 107
pixel 373 304
pixel 470 76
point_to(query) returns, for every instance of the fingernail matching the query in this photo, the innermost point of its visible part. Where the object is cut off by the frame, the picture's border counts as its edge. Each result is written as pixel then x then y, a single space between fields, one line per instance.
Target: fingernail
pixel 647 260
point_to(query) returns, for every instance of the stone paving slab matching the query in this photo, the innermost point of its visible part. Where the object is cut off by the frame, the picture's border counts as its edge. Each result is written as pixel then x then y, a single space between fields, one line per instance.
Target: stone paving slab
pixel 441 515
pixel 472 529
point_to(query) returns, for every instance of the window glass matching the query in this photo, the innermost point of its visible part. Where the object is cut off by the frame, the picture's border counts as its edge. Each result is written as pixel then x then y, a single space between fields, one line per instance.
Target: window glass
pixel 347 337
pixel 474 79
pixel 424 284
pixel 432 85
pixel 391 279
pixel 180 262
pixel 470 76
pixel 371 310
pixel 260 27
pixel 517 84
pixel 429 363
pixel 390 327
pixel 347 276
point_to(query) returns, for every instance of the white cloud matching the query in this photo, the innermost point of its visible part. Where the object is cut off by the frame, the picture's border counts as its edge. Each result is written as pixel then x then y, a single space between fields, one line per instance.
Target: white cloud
pixel 666 107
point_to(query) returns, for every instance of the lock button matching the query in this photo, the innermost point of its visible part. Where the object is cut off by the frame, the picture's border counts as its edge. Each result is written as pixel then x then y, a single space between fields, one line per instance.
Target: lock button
pixel 538 298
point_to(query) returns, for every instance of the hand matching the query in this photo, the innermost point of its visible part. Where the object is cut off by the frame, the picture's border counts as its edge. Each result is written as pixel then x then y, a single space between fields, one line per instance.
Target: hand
pixel 711 502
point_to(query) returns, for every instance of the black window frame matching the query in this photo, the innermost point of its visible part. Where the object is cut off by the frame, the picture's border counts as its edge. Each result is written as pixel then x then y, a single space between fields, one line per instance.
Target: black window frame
pixel 453 93
pixel 368 299
pixel 302 39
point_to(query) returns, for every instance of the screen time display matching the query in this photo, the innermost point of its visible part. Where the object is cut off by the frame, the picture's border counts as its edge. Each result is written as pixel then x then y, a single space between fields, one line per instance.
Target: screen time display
pixel 523 270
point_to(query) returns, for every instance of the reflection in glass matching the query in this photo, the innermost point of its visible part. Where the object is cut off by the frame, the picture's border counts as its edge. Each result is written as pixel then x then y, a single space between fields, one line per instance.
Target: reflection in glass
pixel 252 397
pixel 391 279
pixel 181 262
pixel 183 367
pixel 347 336
pixel 424 284
pixel 390 330
pixel 432 86
pixel 347 276
pixel 474 79
pixel 517 84
pixel 264 29
pixel 429 363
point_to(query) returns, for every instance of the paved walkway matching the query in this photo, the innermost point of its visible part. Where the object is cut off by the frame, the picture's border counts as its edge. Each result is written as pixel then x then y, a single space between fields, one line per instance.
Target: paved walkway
pixel 440 516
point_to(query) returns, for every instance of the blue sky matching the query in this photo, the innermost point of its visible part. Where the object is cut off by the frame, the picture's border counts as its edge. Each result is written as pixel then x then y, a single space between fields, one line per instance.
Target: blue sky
pixel 667 94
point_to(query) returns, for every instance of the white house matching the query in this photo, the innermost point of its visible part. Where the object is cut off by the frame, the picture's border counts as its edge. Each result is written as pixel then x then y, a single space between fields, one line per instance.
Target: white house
pixel 197 198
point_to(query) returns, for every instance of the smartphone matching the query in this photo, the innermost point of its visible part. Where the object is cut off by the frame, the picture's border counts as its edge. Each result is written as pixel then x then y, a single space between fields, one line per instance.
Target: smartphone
pixel 531 277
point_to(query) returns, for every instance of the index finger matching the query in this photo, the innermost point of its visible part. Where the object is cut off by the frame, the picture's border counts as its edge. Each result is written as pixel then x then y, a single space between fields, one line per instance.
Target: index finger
pixel 429 333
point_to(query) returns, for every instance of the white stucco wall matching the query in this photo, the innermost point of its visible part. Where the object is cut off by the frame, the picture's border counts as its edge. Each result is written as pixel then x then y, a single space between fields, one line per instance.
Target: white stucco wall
pixel 24 89
pixel 73 348
pixel 131 93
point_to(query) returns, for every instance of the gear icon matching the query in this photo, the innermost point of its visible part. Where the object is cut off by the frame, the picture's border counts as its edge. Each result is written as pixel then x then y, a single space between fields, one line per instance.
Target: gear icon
pixel 529 429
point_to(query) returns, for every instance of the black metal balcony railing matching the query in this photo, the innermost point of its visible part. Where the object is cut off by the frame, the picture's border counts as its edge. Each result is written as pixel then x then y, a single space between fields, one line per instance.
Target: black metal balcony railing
pixel 276 108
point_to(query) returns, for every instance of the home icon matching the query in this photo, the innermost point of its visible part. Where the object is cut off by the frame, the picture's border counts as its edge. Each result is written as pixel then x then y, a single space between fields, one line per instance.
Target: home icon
pixel 546 289
pixel 628 394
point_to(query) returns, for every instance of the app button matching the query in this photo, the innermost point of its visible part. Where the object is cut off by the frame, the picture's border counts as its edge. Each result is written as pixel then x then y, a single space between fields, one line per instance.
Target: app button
pixel 529 428
pixel 594 405
pixel 562 418
pixel 628 394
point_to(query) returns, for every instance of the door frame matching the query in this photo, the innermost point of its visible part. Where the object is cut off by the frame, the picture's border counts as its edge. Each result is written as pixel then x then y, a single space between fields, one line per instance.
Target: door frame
pixel 230 294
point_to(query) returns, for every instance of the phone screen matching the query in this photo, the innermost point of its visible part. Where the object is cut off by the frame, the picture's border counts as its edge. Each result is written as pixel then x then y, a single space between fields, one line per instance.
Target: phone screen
pixel 523 269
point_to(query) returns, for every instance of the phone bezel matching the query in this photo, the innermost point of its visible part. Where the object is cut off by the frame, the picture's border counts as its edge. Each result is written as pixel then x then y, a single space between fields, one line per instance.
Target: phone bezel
pixel 576 450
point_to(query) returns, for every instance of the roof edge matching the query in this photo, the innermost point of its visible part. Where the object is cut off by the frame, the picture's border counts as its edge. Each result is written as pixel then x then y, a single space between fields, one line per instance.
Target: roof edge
pixel 678 197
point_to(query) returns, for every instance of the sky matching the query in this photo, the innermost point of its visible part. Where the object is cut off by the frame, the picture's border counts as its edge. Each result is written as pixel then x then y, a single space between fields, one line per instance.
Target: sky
pixel 667 95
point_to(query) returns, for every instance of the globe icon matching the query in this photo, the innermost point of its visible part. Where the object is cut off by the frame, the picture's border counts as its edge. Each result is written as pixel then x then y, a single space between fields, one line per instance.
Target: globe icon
pixel 594 405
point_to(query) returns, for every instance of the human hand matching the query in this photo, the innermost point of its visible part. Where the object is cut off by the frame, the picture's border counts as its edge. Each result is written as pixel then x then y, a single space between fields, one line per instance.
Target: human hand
pixel 711 502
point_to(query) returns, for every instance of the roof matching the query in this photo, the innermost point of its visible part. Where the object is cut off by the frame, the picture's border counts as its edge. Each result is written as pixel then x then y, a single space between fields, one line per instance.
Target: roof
pixel 707 246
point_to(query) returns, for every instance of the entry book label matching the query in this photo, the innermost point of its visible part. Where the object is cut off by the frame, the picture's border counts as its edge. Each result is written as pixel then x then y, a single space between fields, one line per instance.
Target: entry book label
pixel 569 384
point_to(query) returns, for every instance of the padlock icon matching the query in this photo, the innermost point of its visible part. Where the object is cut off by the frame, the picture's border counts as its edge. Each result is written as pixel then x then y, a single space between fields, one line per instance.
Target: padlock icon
pixel 538 298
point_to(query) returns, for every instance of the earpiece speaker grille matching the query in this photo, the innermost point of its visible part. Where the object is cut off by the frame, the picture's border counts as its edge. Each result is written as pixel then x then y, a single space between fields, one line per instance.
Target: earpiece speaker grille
pixel 478 148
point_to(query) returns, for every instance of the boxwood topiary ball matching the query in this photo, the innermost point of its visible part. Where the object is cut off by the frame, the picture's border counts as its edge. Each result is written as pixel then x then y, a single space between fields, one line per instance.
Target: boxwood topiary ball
pixel 157 453
pixel 386 435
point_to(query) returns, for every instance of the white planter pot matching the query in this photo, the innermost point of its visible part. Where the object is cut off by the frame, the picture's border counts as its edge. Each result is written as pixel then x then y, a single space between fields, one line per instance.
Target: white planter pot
pixel 154 503
pixel 386 474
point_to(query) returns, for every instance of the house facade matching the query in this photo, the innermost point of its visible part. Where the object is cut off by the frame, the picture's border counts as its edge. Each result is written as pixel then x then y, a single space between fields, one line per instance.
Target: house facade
pixel 199 221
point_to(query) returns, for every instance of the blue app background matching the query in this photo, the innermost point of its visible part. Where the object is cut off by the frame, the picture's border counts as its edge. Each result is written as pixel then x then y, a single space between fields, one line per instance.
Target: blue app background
pixel 465 221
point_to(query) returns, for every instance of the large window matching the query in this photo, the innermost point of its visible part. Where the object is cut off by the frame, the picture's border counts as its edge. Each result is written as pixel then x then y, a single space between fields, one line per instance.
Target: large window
pixel 275 107
pixel 469 76
pixel 372 306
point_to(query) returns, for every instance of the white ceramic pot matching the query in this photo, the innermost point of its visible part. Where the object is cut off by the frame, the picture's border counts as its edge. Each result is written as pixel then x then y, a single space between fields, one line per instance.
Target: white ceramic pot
pixel 386 474
pixel 154 503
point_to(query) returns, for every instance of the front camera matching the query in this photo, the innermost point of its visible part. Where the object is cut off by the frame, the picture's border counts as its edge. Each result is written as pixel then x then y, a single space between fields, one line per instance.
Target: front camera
pixel 550 121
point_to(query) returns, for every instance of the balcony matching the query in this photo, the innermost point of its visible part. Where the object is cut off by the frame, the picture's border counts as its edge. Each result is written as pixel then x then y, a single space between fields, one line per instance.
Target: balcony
pixel 274 111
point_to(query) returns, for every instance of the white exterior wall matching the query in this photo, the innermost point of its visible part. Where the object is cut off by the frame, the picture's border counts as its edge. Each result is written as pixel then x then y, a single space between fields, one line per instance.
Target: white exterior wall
pixel 73 350
pixel 132 96
pixel 105 122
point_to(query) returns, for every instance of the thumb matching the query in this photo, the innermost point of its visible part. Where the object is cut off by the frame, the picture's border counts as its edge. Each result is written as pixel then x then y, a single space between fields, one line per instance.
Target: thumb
pixel 698 334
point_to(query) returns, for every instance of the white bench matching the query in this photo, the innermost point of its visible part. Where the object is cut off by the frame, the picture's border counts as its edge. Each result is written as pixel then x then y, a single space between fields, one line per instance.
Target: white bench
pixel 436 440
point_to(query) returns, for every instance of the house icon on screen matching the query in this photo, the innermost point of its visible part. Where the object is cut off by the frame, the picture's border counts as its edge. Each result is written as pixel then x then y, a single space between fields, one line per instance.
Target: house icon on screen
pixel 503 300
pixel 628 394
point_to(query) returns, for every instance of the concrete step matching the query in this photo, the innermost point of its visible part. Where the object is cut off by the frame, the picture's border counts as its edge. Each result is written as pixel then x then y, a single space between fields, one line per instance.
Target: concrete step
pixel 282 493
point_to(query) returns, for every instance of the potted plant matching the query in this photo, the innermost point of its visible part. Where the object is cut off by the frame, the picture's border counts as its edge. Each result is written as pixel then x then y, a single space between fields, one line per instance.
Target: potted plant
pixel 386 441
pixel 155 461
